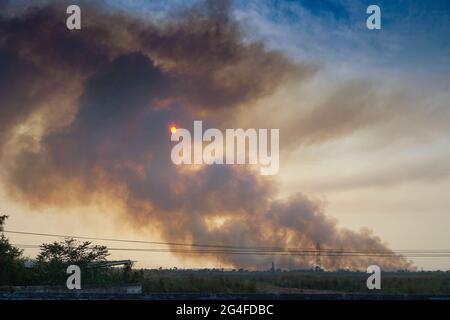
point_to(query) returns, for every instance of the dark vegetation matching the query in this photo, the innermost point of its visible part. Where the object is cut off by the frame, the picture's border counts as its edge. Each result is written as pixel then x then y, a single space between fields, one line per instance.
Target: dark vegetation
pixel 304 281
pixel 49 268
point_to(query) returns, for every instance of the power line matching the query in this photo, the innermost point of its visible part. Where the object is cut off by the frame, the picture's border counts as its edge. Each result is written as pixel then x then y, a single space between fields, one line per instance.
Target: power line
pixel 265 253
pixel 131 241
pixel 226 249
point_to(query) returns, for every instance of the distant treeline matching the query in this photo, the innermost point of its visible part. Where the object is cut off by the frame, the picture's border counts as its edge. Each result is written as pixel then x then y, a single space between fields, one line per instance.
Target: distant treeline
pixel 172 281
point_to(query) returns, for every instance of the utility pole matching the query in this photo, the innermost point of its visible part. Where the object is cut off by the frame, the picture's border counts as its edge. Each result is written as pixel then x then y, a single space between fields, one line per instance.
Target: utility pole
pixel 318 264
pixel 2 221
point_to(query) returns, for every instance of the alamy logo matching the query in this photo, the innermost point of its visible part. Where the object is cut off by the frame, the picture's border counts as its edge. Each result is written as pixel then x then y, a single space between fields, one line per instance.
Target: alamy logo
pixel 73 22
pixel 373 22
pixel 240 147
pixel 74 280
pixel 374 280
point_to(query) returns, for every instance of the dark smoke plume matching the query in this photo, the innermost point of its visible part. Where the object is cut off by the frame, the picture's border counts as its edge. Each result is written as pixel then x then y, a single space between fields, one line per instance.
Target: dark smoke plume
pixel 85 114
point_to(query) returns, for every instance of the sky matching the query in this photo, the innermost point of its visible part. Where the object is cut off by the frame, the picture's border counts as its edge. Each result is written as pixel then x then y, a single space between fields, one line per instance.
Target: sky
pixel 363 118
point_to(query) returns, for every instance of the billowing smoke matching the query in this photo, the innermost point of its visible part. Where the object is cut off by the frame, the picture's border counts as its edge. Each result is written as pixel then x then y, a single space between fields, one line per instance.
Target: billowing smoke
pixel 86 113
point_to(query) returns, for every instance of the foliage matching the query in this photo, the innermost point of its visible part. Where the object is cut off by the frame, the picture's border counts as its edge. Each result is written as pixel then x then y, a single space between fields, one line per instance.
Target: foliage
pixel 55 257
pixel 70 251
pixel 11 264
pixel 2 221
pixel 302 281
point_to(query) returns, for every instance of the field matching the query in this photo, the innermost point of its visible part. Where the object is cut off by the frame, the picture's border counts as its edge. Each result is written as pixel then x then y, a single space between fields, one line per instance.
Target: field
pixel 289 282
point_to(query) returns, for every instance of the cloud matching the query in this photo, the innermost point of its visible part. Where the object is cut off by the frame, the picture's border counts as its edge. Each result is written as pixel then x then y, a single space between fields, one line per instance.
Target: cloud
pixel 126 80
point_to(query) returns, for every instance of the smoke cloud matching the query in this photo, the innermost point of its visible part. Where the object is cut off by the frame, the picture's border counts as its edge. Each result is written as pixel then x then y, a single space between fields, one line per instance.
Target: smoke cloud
pixel 85 113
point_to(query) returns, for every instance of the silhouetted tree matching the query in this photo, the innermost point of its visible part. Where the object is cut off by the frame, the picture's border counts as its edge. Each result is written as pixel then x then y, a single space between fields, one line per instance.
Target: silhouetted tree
pixel 11 264
pixel 54 258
